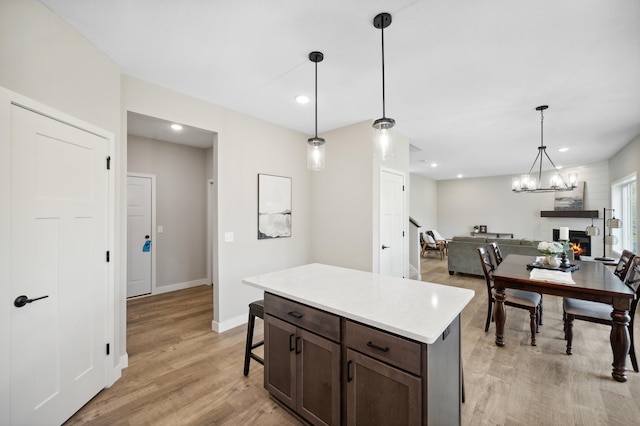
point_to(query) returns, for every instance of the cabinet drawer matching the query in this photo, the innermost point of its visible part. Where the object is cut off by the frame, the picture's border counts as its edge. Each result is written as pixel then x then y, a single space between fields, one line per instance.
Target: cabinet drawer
pixel 402 353
pixel 303 316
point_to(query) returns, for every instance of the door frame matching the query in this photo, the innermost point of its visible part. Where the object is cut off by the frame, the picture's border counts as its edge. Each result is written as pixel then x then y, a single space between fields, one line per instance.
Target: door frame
pixel 112 364
pixel 153 225
pixel 210 239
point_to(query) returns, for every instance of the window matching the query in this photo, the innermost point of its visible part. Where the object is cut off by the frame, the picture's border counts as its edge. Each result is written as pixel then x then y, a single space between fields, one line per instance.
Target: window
pixel 624 201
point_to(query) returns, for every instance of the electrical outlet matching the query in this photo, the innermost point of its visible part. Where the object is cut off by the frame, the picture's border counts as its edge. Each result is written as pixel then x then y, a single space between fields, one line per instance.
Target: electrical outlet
pixel 160 229
pixel 228 237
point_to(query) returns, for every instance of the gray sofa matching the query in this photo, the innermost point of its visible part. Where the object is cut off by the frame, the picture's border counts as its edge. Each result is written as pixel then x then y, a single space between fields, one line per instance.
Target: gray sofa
pixel 463 252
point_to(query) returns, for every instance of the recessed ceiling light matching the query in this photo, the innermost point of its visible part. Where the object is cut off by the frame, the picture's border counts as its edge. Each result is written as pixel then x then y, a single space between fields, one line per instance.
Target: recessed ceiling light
pixel 565 149
pixel 434 164
pixel 302 99
pixel 176 127
pixel 460 176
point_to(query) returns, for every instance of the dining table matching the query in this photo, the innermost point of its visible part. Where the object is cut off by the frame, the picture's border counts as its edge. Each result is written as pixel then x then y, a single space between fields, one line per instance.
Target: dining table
pixel 586 280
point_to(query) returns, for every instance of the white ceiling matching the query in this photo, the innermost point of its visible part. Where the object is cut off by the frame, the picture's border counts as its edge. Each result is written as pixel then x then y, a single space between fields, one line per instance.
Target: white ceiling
pixel 463 77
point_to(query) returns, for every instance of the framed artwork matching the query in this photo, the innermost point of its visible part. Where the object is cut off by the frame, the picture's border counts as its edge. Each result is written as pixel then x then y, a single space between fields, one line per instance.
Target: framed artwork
pixel 274 206
pixel 570 200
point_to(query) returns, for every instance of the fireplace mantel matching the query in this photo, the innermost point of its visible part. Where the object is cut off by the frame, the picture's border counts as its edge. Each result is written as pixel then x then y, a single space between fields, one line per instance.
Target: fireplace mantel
pixel 588 214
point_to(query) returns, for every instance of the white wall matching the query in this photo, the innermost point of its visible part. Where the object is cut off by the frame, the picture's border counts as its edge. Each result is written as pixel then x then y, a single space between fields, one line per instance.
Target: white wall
pixel 44 59
pixel 489 201
pixel 341 225
pixel 181 207
pixel 245 147
pixel 423 206
pixel 345 202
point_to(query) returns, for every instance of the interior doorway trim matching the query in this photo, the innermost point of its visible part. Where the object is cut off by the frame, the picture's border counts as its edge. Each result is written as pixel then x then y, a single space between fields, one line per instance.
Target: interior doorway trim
pixel 210 239
pixel 153 226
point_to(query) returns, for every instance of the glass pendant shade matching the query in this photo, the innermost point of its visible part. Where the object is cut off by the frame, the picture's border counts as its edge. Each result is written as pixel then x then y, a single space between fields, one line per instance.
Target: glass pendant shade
pixel 315 154
pixel 384 148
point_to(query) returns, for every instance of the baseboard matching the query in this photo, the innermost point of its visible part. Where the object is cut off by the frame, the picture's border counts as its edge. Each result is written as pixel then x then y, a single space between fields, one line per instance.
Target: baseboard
pixel 179 286
pixel 221 327
pixel 116 372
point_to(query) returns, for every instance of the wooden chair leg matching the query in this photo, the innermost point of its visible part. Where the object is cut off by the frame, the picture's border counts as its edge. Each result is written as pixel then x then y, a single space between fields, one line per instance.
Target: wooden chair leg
pixel 489 316
pixel 533 323
pixel 540 318
pixel 632 349
pixel 249 343
pixel 568 331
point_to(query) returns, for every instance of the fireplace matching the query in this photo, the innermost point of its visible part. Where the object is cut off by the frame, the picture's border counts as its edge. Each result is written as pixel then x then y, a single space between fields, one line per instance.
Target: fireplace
pixel 579 242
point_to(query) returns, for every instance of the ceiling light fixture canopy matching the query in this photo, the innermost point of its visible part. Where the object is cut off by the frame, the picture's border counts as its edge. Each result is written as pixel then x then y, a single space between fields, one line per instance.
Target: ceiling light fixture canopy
pixel 383 141
pixel 315 145
pixel 531 183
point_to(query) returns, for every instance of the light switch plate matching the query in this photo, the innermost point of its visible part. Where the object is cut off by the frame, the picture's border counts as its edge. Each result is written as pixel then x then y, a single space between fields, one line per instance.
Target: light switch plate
pixel 228 237
pixel 160 229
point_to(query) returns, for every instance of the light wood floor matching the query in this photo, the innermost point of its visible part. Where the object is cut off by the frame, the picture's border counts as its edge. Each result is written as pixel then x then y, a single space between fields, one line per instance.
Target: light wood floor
pixel 182 373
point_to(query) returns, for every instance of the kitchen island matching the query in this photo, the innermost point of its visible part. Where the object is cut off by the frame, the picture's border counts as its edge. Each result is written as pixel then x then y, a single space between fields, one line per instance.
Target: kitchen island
pixel 345 346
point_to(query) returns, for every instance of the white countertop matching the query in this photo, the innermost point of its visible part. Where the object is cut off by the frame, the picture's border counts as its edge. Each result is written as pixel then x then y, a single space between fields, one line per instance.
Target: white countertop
pixel 414 309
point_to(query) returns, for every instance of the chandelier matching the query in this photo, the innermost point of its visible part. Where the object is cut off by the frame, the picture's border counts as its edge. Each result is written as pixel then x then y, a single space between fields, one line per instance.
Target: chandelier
pixel 533 183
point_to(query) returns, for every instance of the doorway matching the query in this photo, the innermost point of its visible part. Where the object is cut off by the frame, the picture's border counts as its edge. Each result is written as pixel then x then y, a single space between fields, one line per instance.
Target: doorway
pixel 141 212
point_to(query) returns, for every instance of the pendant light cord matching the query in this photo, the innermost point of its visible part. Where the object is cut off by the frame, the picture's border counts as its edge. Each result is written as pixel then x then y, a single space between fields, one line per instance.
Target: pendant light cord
pixel 383 97
pixel 316 98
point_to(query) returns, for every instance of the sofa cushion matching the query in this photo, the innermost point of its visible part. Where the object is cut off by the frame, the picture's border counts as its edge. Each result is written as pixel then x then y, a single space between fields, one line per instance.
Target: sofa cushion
pixel 471 239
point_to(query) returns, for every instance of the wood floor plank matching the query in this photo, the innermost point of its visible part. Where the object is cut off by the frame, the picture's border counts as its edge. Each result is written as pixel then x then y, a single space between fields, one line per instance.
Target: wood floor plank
pixel 182 373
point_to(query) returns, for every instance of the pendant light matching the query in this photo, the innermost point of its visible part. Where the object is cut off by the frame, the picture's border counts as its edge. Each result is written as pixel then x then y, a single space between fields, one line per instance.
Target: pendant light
pixel 315 145
pixel 383 141
pixel 529 183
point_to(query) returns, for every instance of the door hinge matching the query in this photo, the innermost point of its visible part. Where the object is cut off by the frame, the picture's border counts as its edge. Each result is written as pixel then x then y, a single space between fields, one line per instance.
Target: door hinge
pixel 107 255
pixel 108 349
pixel 403 234
pixel 109 163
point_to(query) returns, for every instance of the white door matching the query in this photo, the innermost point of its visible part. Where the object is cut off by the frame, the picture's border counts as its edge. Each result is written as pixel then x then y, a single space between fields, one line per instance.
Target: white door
pixel 59 242
pixel 139 244
pixel 391 224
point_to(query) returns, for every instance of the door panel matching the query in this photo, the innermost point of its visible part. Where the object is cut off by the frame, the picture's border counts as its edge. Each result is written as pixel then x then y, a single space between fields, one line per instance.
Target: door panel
pixel 59 202
pixel 138 232
pixel 391 224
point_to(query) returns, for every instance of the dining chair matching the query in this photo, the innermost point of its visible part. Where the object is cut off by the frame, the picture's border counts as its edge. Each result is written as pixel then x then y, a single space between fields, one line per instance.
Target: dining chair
pixel 497 254
pixel 600 313
pixel 623 264
pixel 517 298
pixel 498 257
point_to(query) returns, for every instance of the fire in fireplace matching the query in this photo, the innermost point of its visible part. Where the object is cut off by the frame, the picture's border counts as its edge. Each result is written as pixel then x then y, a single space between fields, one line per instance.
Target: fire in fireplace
pixel 579 242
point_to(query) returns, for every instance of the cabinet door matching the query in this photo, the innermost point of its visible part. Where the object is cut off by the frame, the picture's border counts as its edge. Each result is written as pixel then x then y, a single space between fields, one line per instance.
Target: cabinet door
pixel 378 394
pixel 318 370
pixel 280 360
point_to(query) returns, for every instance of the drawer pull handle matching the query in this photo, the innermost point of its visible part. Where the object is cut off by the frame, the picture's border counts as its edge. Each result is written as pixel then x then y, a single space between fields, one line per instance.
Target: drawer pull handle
pixel 298 350
pixel 291 347
pixel 296 314
pixel 349 377
pixel 380 348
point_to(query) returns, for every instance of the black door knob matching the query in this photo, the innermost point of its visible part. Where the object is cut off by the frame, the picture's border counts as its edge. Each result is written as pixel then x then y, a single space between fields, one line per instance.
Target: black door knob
pixel 23 300
pixel 146 237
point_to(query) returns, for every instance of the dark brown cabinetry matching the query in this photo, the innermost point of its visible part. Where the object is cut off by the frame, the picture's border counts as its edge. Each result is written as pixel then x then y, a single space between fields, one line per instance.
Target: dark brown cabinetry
pixel 386 379
pixel 302 366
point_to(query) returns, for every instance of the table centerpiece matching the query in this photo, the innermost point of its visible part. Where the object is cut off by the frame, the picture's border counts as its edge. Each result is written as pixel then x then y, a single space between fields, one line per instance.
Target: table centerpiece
pixel 551 250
